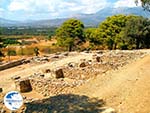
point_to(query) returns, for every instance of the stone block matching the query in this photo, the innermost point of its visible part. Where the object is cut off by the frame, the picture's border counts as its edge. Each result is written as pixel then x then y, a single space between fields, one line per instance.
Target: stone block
pixel 59 73
pixel 1 90
pixel 23 85
pixel 15 77
pixel 98 59
pixel 47 71
pixel 82 64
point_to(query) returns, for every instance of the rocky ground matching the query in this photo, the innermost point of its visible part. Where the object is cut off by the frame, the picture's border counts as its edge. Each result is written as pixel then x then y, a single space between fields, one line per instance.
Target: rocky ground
pixel 79 88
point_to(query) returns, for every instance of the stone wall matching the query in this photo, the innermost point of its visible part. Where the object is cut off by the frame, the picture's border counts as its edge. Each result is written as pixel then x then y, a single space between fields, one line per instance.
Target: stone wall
pixel 75 75
pixel 50 87
pixel 11 64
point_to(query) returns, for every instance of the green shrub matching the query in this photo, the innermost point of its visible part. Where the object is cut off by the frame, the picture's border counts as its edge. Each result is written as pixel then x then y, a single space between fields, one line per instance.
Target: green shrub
pixel 123 46
pixel 11 53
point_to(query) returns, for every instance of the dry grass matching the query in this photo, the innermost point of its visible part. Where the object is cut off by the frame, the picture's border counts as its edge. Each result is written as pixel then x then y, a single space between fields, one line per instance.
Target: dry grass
pixel 27 50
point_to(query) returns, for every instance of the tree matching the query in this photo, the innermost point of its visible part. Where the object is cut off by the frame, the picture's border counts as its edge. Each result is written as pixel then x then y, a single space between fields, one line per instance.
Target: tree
pixel 36 51
pixel 11 53
pixel 136 31
pixel 70 33
pixel 145 4
pixel 147 34
pixel 6 43
pixel 93 36
pixel 1 46
pixel 110 30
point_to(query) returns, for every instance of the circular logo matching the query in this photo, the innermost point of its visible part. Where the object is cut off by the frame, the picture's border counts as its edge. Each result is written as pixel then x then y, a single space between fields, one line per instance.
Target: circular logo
pixel 13 100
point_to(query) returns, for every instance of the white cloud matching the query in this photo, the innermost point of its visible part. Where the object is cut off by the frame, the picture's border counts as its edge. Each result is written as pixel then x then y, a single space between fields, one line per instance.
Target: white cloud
pixel 92 6
pixel 16 5
pixel 126 3
pixel 57 6
pixel 2 12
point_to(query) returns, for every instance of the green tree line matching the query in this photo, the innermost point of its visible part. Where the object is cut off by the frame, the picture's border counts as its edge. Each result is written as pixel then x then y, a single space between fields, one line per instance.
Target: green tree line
pixel 28 31
pixel 116 32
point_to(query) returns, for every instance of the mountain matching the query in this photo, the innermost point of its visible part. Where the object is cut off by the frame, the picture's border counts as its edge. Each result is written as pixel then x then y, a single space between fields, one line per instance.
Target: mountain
pixel 45 23
pixel 5 22
pixel 87 19
pixel 95 19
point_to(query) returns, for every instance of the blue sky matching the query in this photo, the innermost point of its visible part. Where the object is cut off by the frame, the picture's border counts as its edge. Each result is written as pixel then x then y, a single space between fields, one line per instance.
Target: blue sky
pixel 49 9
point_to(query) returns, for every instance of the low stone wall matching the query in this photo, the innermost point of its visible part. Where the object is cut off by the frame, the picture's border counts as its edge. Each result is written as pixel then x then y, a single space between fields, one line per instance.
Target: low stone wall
pixel 77 74
pixel 11 64
pixel 50 87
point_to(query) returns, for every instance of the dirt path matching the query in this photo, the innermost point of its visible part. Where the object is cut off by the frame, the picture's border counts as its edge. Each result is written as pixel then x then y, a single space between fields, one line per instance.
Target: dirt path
pixel 126 90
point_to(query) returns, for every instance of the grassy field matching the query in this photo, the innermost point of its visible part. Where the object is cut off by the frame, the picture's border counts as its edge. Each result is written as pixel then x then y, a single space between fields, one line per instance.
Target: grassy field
pixel 26 49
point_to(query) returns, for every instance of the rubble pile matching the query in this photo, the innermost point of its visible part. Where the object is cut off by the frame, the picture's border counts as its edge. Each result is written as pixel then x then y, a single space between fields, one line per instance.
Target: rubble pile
pixel 101 63
pixel 47 58
pixel 51 87
pixel 62 80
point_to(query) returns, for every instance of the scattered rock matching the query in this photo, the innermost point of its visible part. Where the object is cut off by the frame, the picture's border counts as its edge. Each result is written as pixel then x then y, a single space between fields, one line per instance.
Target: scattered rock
pixel 89 62
pixel 86 51
pixel 1 101
pixel 47 71
pixel 58 53
pixel 37 75
pixel 98 59
pixel 15 77
pixel 26 61
pixel 82 60
pixel 66 54
pixel 23 85
pixel 44 59
pixel 109 110
pixel 59 73
pixel 55 56
pixel 1 90
pixel 71 64
pixel 3 111
pixel 99 52
pixel 82 64
pixel 42 75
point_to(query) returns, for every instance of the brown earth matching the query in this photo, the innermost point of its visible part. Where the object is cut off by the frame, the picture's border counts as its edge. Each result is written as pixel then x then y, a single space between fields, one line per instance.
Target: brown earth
pixel 127 90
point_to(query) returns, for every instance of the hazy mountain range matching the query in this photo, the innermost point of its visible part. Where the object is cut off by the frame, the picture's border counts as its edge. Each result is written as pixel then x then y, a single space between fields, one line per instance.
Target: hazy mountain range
pixel 87 19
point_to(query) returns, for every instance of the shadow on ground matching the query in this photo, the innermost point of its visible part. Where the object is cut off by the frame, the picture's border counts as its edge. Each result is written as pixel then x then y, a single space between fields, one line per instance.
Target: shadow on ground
pixel 69 103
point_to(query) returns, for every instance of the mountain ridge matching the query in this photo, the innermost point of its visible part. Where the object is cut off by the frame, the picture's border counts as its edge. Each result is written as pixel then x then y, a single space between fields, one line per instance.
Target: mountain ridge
pixel 88 19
